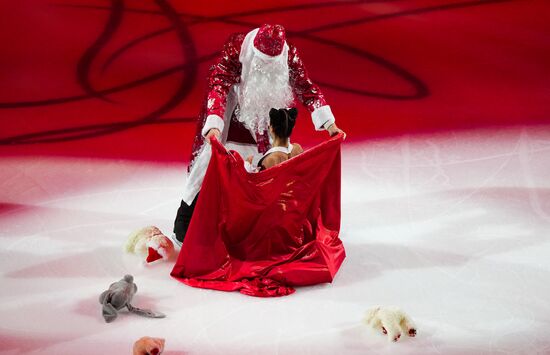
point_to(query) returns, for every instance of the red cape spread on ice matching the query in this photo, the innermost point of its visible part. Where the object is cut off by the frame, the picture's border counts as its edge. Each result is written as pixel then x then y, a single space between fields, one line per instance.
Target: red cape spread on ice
pixel 263 233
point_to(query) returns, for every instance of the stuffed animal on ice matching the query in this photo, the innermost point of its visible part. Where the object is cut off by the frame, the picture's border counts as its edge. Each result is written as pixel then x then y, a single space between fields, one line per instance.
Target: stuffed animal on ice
pixel 390 320
pixel 148 346
pixel 118 296
pixel 150 243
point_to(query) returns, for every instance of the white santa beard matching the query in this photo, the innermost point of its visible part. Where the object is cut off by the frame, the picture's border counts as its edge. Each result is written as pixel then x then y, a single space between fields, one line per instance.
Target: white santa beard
pixel 266 87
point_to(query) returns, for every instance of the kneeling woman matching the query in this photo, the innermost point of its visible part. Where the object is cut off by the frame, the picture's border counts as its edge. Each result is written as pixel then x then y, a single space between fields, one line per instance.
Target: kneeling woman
pixel 281 123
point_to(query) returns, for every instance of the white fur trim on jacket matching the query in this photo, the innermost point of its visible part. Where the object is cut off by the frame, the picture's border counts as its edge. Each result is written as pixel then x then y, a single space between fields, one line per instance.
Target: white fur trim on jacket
pixel 212 121
pixel 196 175
pixel 322 117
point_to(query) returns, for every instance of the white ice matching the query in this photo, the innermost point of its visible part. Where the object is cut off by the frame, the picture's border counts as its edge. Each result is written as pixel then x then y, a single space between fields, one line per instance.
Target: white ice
pixel 453 228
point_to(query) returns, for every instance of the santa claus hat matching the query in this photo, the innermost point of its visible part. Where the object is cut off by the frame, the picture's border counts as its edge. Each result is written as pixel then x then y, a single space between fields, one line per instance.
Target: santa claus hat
pixel 270 39
pixel 159 247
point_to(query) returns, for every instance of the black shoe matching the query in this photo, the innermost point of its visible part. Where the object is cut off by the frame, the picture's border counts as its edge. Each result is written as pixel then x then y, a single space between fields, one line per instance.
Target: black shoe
pixel 183 219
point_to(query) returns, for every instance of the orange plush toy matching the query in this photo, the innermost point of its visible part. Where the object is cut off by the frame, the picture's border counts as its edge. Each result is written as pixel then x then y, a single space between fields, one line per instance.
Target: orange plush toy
pixel 149 346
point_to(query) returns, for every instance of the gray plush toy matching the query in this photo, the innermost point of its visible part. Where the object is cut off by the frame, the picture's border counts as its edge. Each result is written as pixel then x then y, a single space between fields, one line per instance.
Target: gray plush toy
pixel 118 296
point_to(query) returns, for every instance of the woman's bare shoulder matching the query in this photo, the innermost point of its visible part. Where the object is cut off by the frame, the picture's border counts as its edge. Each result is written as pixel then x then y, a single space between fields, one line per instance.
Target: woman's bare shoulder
pixel 273 159
pixel 296 149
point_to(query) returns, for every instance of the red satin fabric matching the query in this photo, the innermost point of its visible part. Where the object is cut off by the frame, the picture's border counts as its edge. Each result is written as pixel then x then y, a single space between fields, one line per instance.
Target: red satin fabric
pixel 264 233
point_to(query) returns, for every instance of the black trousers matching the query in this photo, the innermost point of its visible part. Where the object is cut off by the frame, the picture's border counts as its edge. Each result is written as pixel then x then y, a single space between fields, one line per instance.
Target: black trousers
pixel 183 218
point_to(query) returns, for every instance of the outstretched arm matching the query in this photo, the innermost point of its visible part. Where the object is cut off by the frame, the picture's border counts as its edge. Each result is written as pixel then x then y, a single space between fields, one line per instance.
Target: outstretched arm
pixel 223 74
pixel 309 94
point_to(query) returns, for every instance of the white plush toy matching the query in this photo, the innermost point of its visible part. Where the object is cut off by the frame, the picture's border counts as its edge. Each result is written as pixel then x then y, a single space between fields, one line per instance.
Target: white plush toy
pixel 390 320
pixel 150 243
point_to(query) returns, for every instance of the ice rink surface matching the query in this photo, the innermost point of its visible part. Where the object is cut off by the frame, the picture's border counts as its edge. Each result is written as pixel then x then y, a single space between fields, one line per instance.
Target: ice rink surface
pixel 452 227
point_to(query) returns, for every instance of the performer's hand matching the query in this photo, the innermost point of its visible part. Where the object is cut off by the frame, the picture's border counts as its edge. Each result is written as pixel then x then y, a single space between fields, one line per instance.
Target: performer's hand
pixel 334 130
pixel 213 132
pixel 249 159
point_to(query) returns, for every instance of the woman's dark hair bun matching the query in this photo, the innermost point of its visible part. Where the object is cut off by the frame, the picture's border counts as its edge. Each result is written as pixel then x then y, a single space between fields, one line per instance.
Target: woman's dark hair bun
pixel 293 113
pixel 283 120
